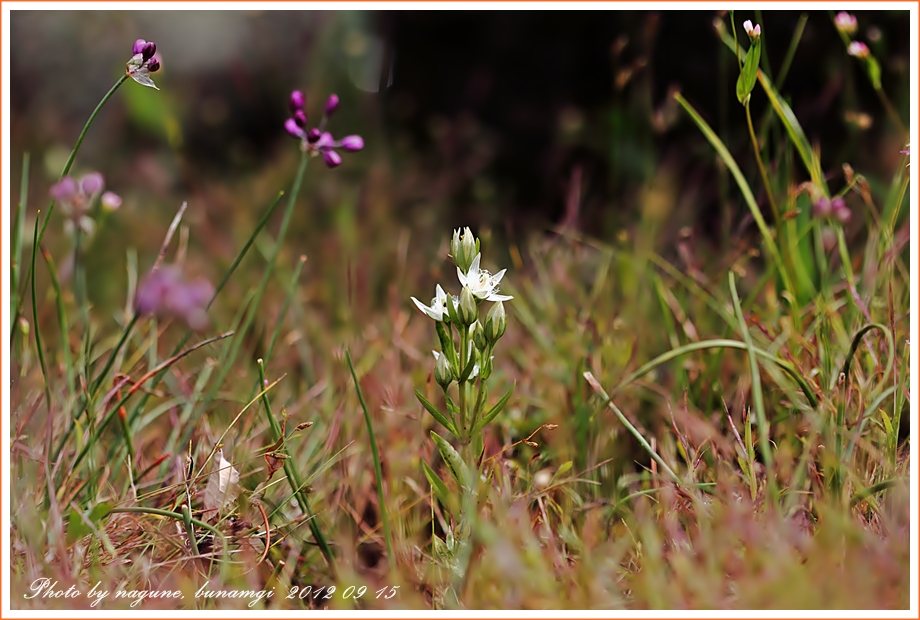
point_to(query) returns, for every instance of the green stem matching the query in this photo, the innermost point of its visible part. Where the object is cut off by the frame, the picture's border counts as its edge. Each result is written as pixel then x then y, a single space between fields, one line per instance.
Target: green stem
pixel 461 388
pixel 294 480
pixel 18 232
pixel 73 155
pixel 38 335
pixel 378 470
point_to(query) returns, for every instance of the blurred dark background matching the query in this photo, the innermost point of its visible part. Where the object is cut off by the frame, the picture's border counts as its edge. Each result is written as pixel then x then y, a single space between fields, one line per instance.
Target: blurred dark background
pixel 474 117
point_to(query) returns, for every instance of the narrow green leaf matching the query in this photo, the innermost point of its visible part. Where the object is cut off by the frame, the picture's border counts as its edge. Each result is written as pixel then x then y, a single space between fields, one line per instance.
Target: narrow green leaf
pixel 453 459
pixel 748 77
pixel 494 411
pixel 437 485
pixel 470 364
pixel 564 468
pixel 435 413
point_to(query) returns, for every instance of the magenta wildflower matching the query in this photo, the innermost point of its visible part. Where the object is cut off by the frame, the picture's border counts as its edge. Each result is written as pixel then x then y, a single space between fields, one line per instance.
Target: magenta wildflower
pixel 316 140
pixel 167 292
pixel 76 198
pixel 825 208
pixel 143 62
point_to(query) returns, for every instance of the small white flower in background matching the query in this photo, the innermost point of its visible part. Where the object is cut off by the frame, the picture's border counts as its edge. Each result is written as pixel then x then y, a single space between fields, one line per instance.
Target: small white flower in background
pixel 481 283
pixel 438 308
pixel 223 484
pixel 858 49
pixel 752 30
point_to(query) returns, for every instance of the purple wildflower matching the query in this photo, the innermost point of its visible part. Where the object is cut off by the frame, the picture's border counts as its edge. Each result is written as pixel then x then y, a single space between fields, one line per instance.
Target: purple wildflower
pixel 77 197
pixel 166 292
pixel 839 210
pixel 821 208
pixel 143 62
pixel 316 140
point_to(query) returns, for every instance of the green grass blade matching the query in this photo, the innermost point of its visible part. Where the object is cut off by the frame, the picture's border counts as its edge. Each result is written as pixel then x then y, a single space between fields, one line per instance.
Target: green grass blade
pixel 378 470
pixel 766 449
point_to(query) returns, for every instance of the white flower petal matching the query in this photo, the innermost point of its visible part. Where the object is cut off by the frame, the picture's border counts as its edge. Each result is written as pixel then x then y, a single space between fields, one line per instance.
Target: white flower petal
pixel 497 297
pixel 431 312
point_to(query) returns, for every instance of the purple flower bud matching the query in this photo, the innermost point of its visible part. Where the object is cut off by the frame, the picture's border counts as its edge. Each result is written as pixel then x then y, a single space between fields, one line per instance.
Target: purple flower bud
pixel 843 215
pixel 300 117
pixel 92 183
pixel 332 104
pixel 297 101
pixel 352 143
pixel 290 125
pixel 822 207
pixel 331 158
pixel 111 201
pixel 150 48
pixel 313 135
pixel 325 141
pixel 64 189
pixel 139 46
pixel 153 66
pixel 840 211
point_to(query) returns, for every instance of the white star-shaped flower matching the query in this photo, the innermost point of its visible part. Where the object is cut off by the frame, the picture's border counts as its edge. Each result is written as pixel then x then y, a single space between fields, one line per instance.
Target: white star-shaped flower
pixel 481 283
pixel 438 308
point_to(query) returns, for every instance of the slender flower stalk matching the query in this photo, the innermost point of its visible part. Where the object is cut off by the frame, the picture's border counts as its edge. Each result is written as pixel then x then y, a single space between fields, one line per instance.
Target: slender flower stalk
pixel 462 369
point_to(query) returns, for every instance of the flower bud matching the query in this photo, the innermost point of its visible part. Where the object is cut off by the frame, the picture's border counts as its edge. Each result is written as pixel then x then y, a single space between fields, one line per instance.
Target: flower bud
pixel 297 101
pixel 858 49
pixel 496 322
pixel 752 30
pixel 92 183
pixel 138 46
pixel 821 208
pixel 463 247
pixel 443 373
pixel 300 117
pixel 153 65
pixel 331 158
pixel 64 189
pixel 352 143
pixel 479 336
pixel 845 22
pixel 111 201
pixel 313 135
pixel 149 49
pixel 332 104
pixel 839 210
pixel 467 309
pixel 290 125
